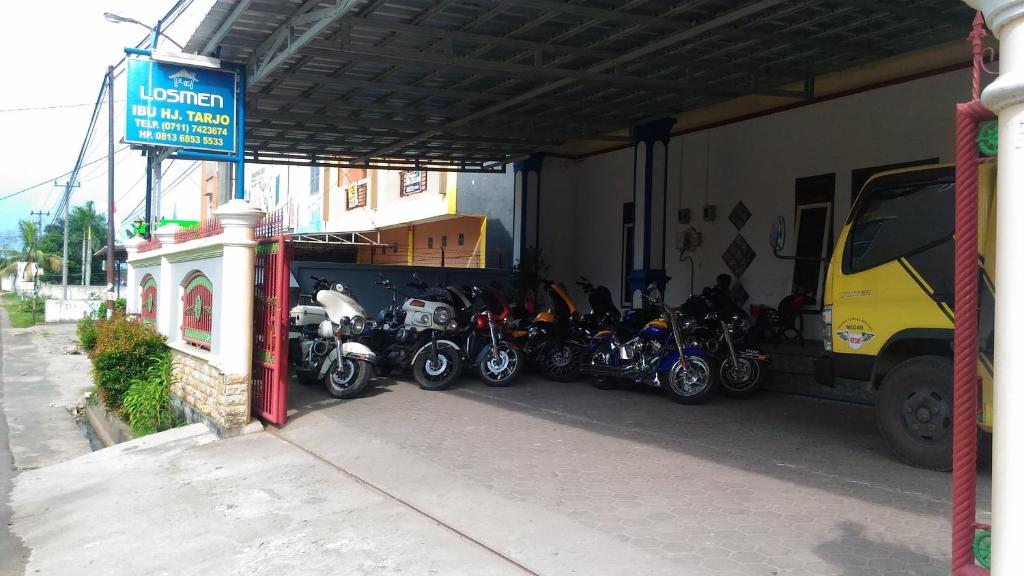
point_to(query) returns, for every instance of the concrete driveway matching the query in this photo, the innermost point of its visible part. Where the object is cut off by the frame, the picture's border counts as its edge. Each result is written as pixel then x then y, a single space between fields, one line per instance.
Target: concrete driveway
pixel 568 479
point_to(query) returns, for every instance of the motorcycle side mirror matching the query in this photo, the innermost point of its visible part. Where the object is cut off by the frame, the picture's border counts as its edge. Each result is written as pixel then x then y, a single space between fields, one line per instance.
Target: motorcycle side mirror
pixel 777 236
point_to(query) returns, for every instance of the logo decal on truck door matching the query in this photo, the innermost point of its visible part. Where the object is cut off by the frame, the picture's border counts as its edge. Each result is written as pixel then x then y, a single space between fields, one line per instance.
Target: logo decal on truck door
pixel 855 332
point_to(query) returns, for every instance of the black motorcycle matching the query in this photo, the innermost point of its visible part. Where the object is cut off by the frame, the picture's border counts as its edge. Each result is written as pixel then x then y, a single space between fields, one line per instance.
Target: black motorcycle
pixel 426 339
pixel 723 329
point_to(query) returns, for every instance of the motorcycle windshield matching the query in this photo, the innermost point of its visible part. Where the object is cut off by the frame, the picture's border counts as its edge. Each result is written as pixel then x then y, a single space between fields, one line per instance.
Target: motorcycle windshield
pixel 338 305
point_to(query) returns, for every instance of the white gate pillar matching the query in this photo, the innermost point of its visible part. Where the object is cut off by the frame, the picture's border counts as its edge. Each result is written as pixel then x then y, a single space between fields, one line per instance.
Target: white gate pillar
pixel 650 182
pixel 235 294
pixel 526 206
pixel 1005 97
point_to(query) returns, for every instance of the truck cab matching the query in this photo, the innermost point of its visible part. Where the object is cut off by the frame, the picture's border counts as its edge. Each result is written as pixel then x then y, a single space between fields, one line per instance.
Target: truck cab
pixel 888 307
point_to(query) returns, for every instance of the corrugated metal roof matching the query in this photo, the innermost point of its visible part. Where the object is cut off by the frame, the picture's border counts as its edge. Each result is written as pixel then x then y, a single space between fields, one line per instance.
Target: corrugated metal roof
pixel 471 84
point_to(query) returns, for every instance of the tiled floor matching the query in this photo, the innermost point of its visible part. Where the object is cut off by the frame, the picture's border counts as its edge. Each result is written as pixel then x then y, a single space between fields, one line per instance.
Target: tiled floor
pixel 775 485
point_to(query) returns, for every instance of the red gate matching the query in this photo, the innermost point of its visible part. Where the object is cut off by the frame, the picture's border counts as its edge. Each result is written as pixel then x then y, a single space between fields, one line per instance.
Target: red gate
pixel 270 323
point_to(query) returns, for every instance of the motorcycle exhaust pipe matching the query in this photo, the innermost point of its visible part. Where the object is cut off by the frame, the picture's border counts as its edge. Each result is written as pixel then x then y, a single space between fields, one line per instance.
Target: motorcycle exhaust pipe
pixel 610 371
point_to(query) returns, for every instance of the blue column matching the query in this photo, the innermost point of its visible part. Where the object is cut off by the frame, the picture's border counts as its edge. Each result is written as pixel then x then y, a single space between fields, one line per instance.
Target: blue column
pixel 650 181
pixel 526 208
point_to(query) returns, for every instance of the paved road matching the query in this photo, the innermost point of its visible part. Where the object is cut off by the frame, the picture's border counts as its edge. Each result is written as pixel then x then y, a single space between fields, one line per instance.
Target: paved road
pixel 12 552
pixel 37 382
pixel 564 478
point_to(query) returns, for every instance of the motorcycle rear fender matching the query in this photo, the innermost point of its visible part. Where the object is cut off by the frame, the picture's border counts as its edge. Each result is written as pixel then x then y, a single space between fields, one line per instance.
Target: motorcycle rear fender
pixel 426 348
pixel 354 350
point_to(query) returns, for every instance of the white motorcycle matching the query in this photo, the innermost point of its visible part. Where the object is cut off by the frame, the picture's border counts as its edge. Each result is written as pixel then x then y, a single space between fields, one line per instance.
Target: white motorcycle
pixel 345 365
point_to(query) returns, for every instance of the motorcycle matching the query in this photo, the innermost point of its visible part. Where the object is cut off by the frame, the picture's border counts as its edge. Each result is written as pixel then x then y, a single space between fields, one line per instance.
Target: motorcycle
pixel 346 368
pixel 657 356
pixel 497 359
pixel 306 348
pixel 724 332
pixel 557 338
pixel 424 342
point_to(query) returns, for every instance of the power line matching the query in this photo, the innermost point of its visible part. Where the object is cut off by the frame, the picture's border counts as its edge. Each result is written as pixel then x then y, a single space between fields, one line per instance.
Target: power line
pixel 54 107
pixel 59 176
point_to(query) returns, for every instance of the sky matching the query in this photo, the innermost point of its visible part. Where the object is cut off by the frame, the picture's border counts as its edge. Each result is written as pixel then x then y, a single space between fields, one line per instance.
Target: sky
pixel 55 56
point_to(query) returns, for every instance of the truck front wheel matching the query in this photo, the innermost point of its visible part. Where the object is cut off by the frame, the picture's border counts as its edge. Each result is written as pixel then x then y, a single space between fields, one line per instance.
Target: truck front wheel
pixel 915 412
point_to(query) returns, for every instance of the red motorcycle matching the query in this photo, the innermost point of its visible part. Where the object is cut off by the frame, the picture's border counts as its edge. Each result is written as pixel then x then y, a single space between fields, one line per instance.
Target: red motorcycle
pixel 496 358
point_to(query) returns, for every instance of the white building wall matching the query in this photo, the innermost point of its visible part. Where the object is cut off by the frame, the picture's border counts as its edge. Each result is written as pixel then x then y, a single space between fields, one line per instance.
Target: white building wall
pixel 756 161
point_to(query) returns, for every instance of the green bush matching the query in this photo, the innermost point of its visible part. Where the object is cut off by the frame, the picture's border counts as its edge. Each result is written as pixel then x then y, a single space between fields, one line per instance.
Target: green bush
pixel 147 404
pixel 120 306
pixel 87 333
pixel 124 352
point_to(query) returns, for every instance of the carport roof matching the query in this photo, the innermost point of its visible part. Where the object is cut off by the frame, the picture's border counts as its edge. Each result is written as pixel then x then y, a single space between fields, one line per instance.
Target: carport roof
pixel 474 84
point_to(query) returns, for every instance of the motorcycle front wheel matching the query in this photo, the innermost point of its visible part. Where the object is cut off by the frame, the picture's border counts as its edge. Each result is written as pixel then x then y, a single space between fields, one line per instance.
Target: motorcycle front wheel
pixel 561 363
pixel 439 374
pixel 502 368
pixel 741 380
pixel 690 384
pixel 348 378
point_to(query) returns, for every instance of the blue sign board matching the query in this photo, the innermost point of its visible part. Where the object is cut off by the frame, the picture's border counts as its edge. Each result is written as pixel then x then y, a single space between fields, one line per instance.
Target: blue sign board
pixel 181 106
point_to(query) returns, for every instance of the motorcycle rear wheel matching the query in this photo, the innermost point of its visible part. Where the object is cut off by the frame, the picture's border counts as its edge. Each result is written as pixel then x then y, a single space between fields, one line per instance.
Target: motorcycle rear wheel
pixel 692 384
pixel 348 379
pixel 503 369
pixel 561 363
pixel 439 375
pixel 741 381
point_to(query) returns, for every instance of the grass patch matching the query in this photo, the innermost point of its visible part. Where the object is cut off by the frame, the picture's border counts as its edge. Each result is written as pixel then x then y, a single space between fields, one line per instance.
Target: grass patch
pixel 20 311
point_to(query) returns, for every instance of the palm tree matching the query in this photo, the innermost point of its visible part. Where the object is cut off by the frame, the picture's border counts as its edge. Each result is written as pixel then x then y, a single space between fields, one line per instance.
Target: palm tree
pixel 31 254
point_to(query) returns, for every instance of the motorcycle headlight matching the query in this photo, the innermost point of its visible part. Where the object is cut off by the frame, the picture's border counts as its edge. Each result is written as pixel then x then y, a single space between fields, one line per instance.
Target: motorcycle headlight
pixel 442 315
pixel 356 325
pixel 453 325
pixel 534 332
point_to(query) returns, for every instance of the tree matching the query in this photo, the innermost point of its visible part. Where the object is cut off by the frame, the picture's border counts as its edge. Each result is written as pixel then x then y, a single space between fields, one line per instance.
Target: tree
pixel 31 253
pixel 81 219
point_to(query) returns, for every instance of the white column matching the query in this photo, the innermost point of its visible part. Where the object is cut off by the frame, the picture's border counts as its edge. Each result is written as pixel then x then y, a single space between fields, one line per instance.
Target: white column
pixel 235 294
pixel 131 246
pixel 1005 97
pixel 167 292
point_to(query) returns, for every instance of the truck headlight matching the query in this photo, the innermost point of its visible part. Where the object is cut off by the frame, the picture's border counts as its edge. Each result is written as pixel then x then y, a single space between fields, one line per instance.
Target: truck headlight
pixel 826 326
pixel 442 315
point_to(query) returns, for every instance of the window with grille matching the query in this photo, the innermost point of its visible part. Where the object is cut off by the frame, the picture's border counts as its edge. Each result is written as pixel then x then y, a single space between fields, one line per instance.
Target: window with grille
pixel 413 182
pixel 356 196
pixel 462 239
pixel 197 311
pixel 147 308
pixel 430 242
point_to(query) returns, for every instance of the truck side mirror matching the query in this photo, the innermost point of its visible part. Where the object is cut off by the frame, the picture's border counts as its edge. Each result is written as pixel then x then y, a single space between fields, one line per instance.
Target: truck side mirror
pixel 777 236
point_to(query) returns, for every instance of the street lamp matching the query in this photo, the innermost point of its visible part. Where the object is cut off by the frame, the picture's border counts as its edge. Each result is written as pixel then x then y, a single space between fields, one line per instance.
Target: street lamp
pixel 117 19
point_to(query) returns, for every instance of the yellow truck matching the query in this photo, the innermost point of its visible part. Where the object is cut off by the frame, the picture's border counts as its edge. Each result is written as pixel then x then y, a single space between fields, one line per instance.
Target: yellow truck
pixel 888 312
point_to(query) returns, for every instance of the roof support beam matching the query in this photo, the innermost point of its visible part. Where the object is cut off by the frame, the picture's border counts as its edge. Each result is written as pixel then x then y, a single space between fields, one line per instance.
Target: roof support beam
pixel 665 42
pixel 505 69
pixel 282 44
pixel 225 26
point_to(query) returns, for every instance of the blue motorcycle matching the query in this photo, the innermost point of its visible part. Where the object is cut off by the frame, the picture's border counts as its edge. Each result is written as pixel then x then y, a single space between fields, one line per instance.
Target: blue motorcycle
pixel 652 358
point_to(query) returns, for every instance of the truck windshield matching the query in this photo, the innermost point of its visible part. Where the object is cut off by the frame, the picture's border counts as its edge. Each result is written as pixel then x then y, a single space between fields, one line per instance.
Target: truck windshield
pixel 898 217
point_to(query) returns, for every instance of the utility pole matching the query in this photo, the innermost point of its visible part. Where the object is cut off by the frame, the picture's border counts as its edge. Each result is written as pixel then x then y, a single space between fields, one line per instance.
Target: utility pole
pixel 67 211
pixel 87 271
pixel 82 279
pixel 35 281
pixel 110 191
